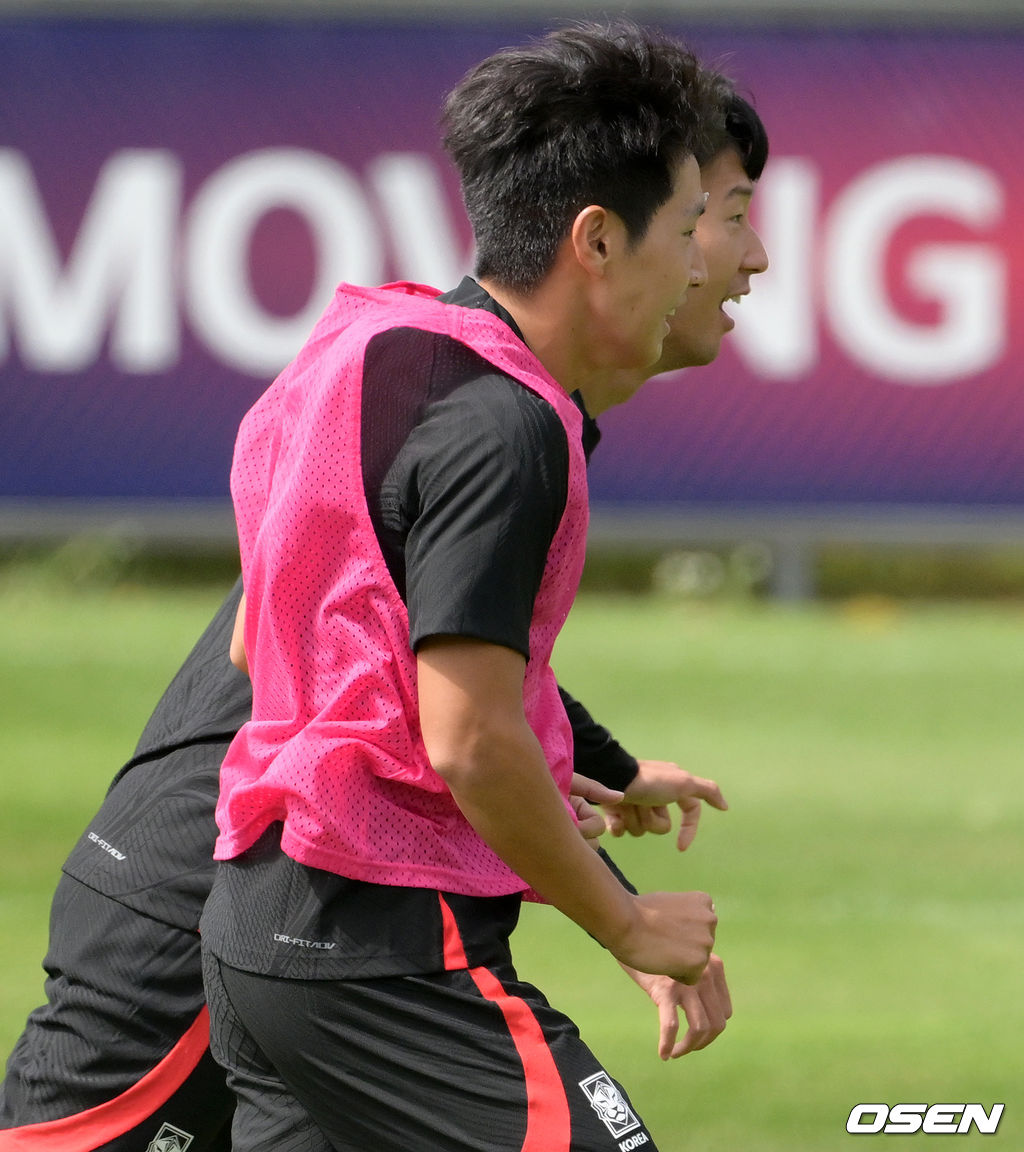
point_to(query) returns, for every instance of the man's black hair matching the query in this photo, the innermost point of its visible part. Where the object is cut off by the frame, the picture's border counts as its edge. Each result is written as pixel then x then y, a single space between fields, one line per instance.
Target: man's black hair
pixel 589 114
pixel 745 132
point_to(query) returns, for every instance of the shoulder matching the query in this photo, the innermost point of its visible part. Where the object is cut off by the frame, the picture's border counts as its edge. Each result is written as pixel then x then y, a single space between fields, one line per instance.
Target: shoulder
pixel 495 410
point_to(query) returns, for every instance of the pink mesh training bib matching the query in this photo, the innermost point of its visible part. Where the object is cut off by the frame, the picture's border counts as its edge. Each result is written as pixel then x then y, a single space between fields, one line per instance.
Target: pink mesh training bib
pixel 334 749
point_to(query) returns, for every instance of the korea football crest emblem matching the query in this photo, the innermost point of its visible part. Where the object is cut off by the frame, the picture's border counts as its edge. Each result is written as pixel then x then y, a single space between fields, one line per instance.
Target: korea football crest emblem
pixel 608 1103
pixel 170 1139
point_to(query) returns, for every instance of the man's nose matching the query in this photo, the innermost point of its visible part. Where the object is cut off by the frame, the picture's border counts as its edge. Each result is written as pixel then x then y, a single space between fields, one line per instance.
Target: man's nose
pixel 757 256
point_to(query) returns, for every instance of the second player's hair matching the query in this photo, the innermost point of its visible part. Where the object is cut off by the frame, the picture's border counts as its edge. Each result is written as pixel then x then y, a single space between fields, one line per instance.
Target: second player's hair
pixel 744 131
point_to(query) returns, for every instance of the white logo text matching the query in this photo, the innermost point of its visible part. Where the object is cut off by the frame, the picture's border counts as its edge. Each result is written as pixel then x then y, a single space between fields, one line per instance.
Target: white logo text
pixel 937 1119
pixel 105 846
pixel 281 938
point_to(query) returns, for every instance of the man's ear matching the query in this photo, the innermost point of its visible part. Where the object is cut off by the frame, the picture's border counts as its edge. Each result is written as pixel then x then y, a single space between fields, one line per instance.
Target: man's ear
pixel 594 237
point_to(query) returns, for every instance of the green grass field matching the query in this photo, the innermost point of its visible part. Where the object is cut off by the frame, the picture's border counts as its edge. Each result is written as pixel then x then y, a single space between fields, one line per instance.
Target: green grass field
pixel 868 875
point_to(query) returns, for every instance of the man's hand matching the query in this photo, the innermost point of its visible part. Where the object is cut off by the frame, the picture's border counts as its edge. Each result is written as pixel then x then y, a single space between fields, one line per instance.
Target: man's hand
pixel 583 794
pixel 705 1005
pixel 670 934
pixel 645 807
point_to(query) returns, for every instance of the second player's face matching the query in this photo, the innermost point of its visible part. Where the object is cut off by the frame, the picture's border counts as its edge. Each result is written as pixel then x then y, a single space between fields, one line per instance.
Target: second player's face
pixel 733 253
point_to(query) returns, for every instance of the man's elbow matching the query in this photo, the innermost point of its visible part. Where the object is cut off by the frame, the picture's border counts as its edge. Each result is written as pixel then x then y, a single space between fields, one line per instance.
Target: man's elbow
pixel 236 649
pixel 457 762
pixel 236 653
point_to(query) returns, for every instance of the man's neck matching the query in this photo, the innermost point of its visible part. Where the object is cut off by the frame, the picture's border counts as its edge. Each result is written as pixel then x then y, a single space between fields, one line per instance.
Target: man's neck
pixel 556 328
pixel 560 329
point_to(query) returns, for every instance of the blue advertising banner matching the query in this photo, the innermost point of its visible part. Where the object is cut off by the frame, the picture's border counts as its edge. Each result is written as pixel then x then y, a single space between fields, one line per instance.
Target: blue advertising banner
pixel 178 200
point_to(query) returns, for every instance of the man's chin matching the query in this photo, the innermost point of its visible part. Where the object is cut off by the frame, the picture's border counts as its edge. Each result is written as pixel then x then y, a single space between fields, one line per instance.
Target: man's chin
pixel 689 357
pixel 707 356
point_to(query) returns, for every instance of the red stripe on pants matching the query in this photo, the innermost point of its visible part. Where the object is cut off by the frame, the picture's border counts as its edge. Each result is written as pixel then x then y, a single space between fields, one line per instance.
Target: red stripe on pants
pixel 548 1127
pixel 95 1127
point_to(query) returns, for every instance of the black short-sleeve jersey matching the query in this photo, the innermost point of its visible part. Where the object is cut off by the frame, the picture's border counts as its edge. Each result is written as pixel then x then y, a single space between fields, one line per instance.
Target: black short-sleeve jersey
pixel 150 845
pixel 466 476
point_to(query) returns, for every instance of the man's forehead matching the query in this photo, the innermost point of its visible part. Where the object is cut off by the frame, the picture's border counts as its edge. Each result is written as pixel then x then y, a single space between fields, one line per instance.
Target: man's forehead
pixel 724 174
pixel 741 191
pixel 697 206
pixel 688 184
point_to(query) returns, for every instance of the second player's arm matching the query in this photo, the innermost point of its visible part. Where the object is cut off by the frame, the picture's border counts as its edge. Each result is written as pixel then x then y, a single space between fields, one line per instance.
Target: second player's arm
pixel 479 742
pixel 236 652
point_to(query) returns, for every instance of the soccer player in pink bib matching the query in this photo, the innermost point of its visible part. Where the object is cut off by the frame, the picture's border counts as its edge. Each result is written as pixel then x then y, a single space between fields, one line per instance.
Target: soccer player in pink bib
pixel 412 509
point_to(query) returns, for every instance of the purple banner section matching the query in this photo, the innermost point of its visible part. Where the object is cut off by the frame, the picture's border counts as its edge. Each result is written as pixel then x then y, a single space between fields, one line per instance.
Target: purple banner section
pixel 881 358
pixel 177 201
